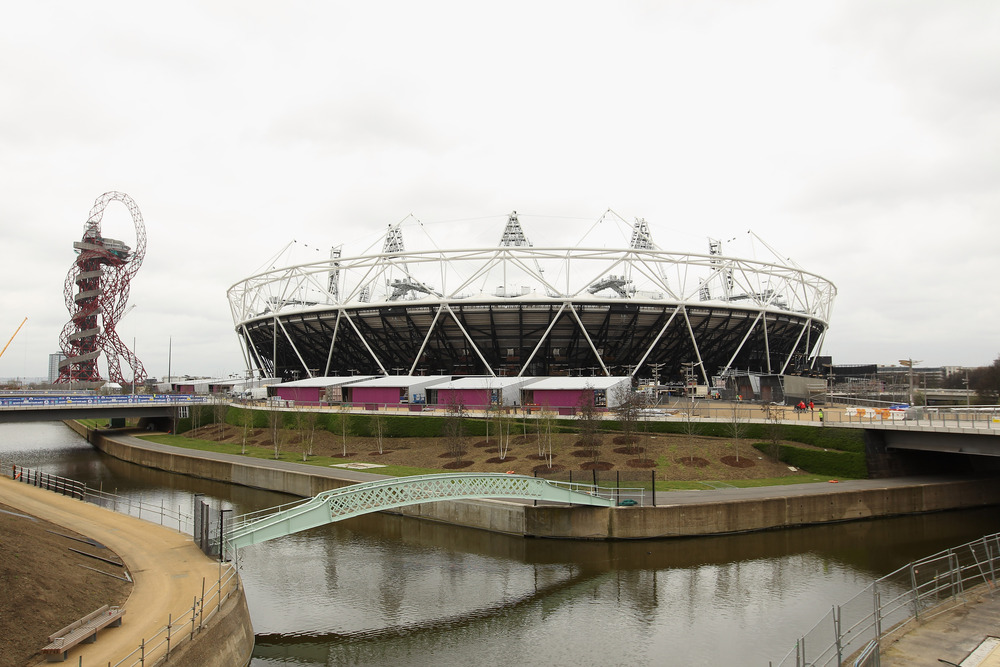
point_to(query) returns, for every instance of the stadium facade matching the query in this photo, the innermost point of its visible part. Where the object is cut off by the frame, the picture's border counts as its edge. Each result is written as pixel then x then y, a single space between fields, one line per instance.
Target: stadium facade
pixel 515 309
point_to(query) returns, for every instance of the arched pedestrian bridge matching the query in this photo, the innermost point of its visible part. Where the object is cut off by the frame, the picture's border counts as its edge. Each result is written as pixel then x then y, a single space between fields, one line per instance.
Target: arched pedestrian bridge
pixel 357 499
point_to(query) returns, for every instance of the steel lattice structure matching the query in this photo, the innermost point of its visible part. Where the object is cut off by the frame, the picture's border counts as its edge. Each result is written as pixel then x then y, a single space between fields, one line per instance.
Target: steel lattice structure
pixel 516 309
pixel 385 494
pixel 101 277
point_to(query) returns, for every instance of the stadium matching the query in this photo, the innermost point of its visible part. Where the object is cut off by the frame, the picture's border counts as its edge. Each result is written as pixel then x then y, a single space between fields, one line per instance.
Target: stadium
pixel 627 307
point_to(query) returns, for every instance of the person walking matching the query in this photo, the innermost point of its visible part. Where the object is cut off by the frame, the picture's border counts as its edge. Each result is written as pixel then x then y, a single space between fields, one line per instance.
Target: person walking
pixel 812 407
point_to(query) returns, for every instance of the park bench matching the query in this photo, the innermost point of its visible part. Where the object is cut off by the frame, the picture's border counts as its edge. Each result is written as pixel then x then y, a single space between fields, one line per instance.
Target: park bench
pixel 82 631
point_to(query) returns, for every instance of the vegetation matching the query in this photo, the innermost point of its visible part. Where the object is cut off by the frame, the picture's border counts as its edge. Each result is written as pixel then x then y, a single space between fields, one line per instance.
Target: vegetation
pixel 821 461
pixel 827 451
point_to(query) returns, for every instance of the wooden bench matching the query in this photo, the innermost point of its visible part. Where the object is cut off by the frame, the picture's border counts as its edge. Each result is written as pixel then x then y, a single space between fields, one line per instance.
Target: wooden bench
pixel 82 631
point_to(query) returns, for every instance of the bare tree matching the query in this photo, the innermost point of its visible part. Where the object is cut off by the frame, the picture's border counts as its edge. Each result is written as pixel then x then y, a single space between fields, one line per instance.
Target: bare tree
pixel 544 424
pixel 590 423
pixel 274 419
pixel 220 407
pixel 691 429
pixel 246 421
pixel 343 417
pixel 737 427
pixel 454 427
pixel 502 425
pixel 628 409
pixel 378 430
pixel 306 423
pixel 774 416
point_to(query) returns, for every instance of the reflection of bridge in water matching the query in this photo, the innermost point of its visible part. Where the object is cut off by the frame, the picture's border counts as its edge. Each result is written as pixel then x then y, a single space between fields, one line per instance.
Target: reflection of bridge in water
pixel 385 494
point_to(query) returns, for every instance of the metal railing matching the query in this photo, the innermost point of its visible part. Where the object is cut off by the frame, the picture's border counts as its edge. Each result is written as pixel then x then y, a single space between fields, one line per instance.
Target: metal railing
pixel 180 627
pixel 184 626
pixel 749 412
pixel 165 516
pixel 921 590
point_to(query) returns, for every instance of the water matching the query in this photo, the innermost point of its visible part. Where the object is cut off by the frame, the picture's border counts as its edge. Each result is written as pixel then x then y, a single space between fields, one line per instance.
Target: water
pixel 382 589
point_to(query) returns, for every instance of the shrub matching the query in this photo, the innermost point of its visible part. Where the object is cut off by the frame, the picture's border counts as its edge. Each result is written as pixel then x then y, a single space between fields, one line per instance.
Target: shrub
pixel 819 462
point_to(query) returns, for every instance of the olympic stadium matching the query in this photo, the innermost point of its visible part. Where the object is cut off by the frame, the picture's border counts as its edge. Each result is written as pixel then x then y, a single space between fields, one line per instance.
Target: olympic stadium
pixel 513 309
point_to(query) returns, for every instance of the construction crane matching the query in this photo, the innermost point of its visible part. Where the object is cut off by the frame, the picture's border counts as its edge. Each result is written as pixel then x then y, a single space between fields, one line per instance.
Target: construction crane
pixel 12 337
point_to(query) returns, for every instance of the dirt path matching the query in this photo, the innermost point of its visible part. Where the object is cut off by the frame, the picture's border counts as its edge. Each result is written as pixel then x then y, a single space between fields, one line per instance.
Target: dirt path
pixel 167 567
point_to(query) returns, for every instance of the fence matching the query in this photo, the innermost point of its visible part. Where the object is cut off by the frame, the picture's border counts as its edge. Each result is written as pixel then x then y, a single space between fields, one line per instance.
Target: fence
pixel 165 516
pixel 683 410
pixel 189 622
pixel 921 590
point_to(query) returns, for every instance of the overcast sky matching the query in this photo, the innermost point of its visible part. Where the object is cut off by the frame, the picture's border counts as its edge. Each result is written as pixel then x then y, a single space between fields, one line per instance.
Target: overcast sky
pixel 861 139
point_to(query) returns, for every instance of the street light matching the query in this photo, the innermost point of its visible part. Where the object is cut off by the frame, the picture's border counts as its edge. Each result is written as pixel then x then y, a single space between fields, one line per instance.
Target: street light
pixel 909 364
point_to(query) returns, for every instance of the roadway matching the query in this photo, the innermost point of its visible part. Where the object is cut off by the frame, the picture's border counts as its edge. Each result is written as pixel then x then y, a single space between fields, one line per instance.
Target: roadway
pixel 59 408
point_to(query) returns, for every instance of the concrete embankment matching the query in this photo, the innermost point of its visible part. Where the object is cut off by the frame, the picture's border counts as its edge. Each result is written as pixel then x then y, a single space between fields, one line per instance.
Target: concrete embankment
pixel 677 514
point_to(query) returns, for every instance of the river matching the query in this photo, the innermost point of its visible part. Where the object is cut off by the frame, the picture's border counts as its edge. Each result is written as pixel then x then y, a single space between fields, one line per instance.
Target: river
pixel 386 590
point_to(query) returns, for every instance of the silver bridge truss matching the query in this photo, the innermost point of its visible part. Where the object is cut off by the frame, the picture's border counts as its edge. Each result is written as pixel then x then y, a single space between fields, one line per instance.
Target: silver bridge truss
pixel 351 501
pixel 294 313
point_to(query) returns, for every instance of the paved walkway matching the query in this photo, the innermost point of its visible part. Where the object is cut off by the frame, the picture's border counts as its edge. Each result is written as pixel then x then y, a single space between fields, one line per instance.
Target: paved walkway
pixel 951 637
pixel 166 566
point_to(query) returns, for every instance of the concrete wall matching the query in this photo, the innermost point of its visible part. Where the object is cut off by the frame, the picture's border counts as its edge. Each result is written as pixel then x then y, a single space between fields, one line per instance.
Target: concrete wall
pixel 712 517
pixel 740 516
pixel 227 640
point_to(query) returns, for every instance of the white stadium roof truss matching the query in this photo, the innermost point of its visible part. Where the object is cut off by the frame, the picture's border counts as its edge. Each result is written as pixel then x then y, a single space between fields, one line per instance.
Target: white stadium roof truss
pixel 566 282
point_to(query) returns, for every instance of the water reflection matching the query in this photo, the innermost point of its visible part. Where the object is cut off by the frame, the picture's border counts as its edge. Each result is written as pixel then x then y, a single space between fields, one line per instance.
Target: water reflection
pixel 382 589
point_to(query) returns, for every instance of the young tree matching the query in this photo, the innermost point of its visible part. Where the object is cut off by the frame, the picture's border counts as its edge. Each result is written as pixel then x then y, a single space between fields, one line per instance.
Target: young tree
pixel 503 426
pixel 306 423
pixel 454 427
pixel 274 419
pixel 220 407
pixel 737 427
pixel 343 417
pixel 691 429
pixel 246 421
pixel 589 420
pixel 378 430
pixel 774 415
pixel 628 409
pixel 544 423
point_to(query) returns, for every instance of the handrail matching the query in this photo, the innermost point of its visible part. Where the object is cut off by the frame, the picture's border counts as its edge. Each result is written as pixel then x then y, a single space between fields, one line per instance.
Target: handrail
pixel 920 590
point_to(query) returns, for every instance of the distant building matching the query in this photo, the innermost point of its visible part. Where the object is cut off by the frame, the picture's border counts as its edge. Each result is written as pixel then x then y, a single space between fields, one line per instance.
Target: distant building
pixel 54 360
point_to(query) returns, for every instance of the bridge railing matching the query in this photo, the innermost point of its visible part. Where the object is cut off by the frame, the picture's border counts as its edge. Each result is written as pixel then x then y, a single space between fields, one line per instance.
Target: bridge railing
pixel 114 399
pixel 919 591
pixel 954 416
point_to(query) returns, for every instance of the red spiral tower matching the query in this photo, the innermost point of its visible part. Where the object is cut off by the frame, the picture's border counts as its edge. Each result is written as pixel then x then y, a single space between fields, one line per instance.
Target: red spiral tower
pixel 101 277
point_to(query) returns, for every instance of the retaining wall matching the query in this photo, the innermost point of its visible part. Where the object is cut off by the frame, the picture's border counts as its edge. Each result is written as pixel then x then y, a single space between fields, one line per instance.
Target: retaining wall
pixel 713 516
pixel 227 640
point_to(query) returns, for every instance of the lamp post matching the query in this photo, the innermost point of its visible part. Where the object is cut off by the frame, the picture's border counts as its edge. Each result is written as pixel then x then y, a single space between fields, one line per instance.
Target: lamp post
pixel 909 364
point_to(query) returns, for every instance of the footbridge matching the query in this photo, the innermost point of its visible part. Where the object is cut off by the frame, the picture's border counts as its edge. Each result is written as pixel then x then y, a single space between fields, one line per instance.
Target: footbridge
pixel 385 494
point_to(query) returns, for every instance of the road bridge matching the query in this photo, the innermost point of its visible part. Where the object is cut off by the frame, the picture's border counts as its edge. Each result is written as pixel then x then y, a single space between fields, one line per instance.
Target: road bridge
pixel 385 494
pixel 59 408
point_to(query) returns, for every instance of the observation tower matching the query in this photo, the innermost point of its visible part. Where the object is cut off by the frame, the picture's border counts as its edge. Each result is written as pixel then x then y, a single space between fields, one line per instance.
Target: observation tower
pixel 96 292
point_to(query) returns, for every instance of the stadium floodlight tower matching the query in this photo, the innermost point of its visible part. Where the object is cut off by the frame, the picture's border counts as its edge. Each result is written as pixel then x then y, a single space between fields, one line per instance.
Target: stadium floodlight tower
pixel 101 277
pixel 621 306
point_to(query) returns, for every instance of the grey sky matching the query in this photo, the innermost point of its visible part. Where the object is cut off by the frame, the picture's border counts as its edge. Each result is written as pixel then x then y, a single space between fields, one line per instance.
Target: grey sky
pixel 859 138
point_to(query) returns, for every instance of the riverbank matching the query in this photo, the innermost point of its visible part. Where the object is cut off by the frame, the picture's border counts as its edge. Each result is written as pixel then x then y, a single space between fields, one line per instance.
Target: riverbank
pixel 166 568
pixel 677 514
